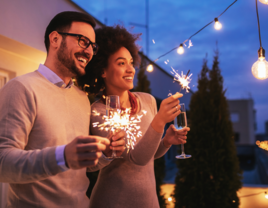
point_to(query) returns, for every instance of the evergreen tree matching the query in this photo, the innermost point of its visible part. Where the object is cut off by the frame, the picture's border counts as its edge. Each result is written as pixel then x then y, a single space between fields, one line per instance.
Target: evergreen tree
pixel 211 178
pixel 143 85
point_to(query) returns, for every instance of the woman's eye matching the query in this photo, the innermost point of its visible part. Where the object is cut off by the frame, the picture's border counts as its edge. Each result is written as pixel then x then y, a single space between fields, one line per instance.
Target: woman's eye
pixel 121 63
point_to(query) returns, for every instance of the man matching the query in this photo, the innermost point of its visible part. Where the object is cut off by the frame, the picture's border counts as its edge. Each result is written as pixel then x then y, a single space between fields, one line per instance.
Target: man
pixel 44 123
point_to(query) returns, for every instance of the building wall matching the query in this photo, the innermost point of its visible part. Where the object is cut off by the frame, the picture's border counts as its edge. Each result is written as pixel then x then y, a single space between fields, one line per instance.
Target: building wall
pixel 22 28
pixel 243 118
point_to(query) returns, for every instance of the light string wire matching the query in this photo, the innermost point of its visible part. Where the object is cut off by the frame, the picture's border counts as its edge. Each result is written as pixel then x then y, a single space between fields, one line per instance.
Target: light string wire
pixel 259 28
pixel 265 192
pixel 196 32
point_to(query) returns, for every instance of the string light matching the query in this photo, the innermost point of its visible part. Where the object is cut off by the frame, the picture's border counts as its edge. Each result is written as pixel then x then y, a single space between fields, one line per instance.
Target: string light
pixel 196 32
pixel 265 194
pixel 262 145
pixel 217 24
pixel 150 68
pixel 180 49
pixel 260 68
pixel 264 1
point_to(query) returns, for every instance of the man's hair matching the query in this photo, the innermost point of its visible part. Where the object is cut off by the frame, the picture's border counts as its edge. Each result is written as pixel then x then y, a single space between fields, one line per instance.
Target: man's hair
pixel 109 40
pixel 63 21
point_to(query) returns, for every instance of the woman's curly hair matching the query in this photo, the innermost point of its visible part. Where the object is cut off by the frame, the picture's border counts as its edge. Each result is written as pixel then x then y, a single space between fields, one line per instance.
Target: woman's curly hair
pixel 109 40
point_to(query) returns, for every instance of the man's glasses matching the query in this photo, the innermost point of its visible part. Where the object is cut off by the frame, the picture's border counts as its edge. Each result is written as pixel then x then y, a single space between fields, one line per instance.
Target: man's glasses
pixel 83 42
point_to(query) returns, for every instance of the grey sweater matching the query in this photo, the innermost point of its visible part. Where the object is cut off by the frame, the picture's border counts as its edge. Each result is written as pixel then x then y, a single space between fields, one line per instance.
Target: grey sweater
pixel 130 182
pixel 35 117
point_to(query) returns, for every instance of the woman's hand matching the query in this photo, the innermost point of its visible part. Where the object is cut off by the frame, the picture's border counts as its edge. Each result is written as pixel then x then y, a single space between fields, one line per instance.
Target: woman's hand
pixel 117 143
pixel 175 136
pixel 168 111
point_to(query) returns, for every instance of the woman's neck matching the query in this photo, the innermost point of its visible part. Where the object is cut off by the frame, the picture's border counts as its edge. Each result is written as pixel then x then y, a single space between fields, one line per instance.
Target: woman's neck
pixel 123 96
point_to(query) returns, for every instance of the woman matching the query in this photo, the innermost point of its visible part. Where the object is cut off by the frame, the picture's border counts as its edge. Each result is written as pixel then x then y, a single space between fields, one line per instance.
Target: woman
pixel 130 181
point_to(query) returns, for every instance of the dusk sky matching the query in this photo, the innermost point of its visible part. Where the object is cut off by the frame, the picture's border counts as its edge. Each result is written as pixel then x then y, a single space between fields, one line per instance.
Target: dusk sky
pixel 173 21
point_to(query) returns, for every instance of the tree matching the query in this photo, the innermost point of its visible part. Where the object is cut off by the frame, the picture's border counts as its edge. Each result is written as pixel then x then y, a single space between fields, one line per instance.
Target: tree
pixel 212 177
pixel 143 85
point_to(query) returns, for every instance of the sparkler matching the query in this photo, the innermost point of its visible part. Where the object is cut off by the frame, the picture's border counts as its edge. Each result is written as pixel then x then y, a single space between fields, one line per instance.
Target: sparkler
pixel 120 119
pixel 184 80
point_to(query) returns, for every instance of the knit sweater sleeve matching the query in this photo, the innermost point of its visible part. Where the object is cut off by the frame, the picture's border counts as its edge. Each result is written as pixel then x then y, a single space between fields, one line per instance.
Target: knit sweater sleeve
pixel 147 146
pixel 18 113
pixel 162 149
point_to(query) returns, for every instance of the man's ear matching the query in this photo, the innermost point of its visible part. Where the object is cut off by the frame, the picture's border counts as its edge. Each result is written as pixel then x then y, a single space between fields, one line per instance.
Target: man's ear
pixel 55 39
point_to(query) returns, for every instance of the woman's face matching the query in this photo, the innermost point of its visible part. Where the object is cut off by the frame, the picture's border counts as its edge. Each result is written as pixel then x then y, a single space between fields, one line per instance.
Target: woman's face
pixel 119 74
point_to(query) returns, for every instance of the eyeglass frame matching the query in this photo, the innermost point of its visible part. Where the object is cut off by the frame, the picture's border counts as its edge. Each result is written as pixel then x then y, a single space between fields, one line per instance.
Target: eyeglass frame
pixel 94 46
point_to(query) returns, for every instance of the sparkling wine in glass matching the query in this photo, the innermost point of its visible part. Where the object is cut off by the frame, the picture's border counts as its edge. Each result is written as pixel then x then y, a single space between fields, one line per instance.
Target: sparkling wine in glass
pixel 179 123
pixel 112 105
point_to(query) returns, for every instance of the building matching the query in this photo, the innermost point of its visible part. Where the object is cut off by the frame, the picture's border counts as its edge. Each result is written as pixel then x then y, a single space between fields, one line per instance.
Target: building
pixel 243 117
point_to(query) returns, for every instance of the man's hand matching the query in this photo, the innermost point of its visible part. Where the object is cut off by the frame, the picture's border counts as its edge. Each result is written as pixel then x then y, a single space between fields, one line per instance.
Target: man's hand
pixel 117 144
pixel 84 151
pixel 175 136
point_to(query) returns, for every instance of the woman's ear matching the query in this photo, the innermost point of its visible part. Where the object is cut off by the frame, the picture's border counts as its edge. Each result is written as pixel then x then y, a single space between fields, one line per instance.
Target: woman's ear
pixel 103 74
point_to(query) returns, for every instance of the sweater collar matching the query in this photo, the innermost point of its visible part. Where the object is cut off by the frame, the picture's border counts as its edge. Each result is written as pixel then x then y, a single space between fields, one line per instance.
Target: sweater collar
pixel 53 77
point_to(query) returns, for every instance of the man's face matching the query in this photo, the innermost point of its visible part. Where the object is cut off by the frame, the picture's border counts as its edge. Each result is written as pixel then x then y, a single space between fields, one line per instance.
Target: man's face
pixel 70 54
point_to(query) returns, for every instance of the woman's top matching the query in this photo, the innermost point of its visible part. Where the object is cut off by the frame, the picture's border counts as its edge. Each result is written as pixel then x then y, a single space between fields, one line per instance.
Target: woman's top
pixel 129 181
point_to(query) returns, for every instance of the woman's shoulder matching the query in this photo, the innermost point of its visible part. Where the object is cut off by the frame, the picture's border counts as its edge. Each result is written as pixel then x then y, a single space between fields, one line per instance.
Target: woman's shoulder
pixel 97 105
pixel 144 97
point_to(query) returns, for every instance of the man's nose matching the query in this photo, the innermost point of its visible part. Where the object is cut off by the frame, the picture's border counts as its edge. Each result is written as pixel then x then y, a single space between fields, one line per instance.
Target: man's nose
pixel 89 50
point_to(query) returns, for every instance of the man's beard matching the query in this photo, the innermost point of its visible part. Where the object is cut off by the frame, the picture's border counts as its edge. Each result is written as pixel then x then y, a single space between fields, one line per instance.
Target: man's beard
pixel 66 60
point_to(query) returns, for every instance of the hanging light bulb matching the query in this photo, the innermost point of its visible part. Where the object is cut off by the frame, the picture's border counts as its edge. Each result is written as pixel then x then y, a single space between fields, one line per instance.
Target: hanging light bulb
pixel 217 24
pixel 264 1
pixel 180 50
pixel 150 68
pixel 266 195
pixel 260 67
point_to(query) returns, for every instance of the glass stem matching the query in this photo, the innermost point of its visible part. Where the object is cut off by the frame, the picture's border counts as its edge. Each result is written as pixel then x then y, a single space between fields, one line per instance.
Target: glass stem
pixel 114 153
pixel 182 149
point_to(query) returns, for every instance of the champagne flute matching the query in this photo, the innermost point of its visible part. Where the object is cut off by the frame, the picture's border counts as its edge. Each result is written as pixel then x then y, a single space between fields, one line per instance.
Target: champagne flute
pixel 179 123
pixel 112 105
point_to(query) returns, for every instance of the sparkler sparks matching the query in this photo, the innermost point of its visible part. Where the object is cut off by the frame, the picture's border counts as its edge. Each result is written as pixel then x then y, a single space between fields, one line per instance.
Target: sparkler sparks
pixel 121 119
pixel 190 44
pixel 184 80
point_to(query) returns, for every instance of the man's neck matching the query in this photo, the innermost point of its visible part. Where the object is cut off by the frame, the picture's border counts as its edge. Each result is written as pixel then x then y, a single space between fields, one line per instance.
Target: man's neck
pixel 60 70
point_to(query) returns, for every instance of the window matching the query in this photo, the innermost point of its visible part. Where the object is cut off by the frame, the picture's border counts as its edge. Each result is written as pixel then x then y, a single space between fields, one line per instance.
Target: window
pixel 3 78
pixel 234 117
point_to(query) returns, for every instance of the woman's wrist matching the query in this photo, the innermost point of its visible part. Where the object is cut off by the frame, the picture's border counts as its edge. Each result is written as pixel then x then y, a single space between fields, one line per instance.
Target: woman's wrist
pixel 158 124
pixel 166 143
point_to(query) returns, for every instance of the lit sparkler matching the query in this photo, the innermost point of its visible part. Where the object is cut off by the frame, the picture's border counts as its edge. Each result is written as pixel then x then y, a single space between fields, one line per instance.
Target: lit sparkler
pixel 184 80
pixel 121 119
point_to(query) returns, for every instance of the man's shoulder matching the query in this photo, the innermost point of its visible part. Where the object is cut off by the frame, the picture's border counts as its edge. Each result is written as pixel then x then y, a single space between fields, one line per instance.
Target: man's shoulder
pixel 21 82
pixel 26 79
